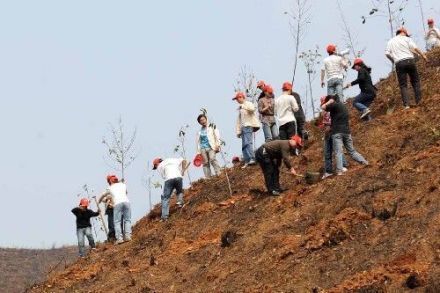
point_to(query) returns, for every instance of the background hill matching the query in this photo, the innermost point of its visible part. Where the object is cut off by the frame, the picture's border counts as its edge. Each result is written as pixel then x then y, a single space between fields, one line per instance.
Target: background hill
pixel 376 229
pixel 21 268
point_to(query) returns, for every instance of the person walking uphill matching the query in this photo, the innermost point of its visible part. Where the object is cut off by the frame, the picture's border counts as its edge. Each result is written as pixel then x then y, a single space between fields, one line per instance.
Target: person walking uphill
pixel 172 171
pixel 247 124
pixel 121 209
pixel 83 226
pixel 432 36
pixel 285 108
pixel 340 131
pixel 266 106
pixel 368 92
pixel 400 51
pixel 333 67
pixel 270 155
pixel 208 144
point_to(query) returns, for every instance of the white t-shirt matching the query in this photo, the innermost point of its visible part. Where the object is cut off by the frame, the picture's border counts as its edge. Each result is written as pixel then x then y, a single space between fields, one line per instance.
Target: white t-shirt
pixel 334 67
pixel 399 48
pixel 285 106
pixel 431 39
pixel 170 168
pixel 118 192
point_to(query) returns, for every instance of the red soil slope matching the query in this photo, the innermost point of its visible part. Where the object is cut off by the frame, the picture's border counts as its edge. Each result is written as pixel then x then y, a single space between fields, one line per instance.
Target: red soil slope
pixel 376 229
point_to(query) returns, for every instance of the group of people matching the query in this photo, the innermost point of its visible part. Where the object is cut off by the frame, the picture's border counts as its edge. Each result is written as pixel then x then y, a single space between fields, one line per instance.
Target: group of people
pixel 282 120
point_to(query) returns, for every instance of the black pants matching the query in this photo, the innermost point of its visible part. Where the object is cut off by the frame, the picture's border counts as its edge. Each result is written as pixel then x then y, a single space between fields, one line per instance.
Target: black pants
pixel 271 169
pixel 406 68
pixel 287 130
pixel 300 128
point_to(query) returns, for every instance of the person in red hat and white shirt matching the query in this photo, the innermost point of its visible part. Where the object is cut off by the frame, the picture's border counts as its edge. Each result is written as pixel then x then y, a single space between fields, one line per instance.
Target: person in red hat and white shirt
pixel 285 108
pixel 432 36
pixel 208 145
pixel 172 171
pixel 271 154
pixel 334 67
pixel 363 101
pixel 400 51
pixel 266 105
pixel 83 225
pixel 247 124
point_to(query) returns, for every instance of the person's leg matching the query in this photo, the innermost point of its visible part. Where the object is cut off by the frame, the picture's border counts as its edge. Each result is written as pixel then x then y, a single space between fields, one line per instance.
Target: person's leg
pixel 339 89
pixel 127 220
pixel 213 160
pixel 80 232
pixel 283 132
pixel 274 131
pixel 276 176
pixel 291 129
pixel 88 232
pixel 244 144
pixel 117 214
pixel 331 87
pixel 267 131
pixel 415 81
pixel 269 174
pixel 206 166
pixel 249 144
pixel 111 224
pixel 403 83
pixel 358 102
pixel 178 185
pixel 337 147
pixel 348 144
pixel 328 153
pixel 167 190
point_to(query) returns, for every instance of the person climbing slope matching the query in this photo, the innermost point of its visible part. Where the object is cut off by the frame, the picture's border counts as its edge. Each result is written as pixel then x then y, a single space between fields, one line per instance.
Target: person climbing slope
pixel 266 106
pixel 83 225
pixel 208 145
pixel 432 36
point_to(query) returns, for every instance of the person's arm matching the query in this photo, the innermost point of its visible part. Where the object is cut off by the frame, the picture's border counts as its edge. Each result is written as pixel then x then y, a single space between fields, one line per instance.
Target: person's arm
pixel 75 211
pixel 103 196
pixel 285 154
pixel 94 214
pixel 327 106
pixel 294 104
pixel 322 77
pixel 413 47
pixel 217 140
pixel 388 53
pixel 361 77
pixel 198 143
pixel 261 106
pixel 184 165
pixel 344 63
pixel 248 106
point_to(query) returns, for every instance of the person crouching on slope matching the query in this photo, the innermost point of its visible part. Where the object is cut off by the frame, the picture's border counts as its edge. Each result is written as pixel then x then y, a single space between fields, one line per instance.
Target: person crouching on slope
pixel 247 124
pixel 270 155
pixel 172 171
pixel 340 130
pixel 208 145
pixel 368 92
pixel 83 226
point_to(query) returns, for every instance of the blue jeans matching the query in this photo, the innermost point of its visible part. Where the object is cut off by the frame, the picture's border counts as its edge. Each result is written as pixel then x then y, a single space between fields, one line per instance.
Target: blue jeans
pixel 363 101
pixel 247 144
pixel 81 233
pixel 328 155
pixel 122 212
pixel 169 186
pixel 270 131
pixel 344 140
pixel 334 87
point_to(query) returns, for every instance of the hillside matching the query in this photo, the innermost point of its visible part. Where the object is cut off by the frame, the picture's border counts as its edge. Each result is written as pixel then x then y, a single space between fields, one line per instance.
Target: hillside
pixel 21 268
pixel 376 229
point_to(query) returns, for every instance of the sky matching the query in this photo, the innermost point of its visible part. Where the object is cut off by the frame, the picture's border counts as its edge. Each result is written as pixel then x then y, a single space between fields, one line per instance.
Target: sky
pixel 70 68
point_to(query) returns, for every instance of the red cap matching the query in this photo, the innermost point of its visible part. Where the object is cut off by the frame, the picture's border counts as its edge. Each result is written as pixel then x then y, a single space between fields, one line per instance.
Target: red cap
pixel 261 84
pixel 430 20
pixel 357 61
pixel 198 160
pixel 239 95
pixel 268 89
pixel 287 86
pixel 112 179
pixel 235 159
pixel 297 139
pixel 84 202
pixel 331 48
pixel 323 100
pixel 402 30
pixel 156 163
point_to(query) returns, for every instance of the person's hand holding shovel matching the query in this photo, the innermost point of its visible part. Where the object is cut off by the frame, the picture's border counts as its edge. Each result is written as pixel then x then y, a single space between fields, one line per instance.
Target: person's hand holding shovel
pixel 293 172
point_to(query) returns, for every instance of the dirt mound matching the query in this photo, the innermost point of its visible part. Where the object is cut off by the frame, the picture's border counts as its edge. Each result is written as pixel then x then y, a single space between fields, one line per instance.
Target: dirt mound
pixel 375 229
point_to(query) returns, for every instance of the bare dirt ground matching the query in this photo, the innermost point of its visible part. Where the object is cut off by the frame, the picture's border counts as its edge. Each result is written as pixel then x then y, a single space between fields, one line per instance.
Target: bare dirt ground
pixel 375 229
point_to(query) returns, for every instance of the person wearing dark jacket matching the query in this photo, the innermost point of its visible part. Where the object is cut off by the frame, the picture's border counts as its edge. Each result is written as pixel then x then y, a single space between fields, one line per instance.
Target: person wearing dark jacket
pixel 363 101
pixel 83 226
pixel 270 155
pixel 300 117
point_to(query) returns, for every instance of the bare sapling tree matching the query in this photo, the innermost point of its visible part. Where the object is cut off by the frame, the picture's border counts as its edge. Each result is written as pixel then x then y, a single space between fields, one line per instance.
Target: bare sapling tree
pixel 348 37
pixel 180 148
pixel 300 17
pixel 311 59
pixel 121 149
pixel 150 185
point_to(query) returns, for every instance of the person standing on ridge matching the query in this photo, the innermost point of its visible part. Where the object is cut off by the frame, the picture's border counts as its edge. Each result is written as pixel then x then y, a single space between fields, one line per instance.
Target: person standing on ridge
pixel 400 51
pixel 107 199
pixel 83 225
pixel 432 36
pixel 270 155
pixel 208 145
pixel 285 108
pixel 334 67
pixel 260 85
pixel 247 124
pixel 368 92
pixel 340 130
pixel 172 171
pixel 300 117
pixel 266 106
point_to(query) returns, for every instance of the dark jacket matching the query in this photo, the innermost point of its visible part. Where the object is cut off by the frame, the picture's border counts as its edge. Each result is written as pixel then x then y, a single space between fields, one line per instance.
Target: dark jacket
pixel 83 217
pixel 299 115
pixel 364 81
pixel 279 149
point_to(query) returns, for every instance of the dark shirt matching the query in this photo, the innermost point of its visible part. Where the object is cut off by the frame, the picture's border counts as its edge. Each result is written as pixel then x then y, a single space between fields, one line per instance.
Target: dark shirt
pixel 279 149
pixel 299 115
pixel 364 82
pixel 339 117
pixel 83 217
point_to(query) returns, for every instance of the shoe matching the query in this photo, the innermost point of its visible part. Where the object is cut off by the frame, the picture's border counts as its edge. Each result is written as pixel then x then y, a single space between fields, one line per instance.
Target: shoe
pixel 252 162
pixel 127 239
pixel 339 173
pixel 163 220
pixel 118 242
pixel 179 205
pixel 365 113
pixel 325 175
pixel 94 249
pixel 275 193
pixel 244 166
pixel 406 108
pixel 344 169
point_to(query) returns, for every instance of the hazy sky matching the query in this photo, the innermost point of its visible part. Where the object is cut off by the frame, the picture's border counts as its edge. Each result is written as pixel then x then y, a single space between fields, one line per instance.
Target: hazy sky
pixel 69 68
